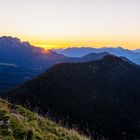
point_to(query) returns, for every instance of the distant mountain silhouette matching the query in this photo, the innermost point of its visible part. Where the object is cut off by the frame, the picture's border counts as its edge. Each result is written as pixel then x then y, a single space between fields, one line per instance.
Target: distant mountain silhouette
pixel 87 58
pixel 134 56
pixel 12 50
pixel 74 51
pixel 137 50
pixel 20 61
pixel 102 97
pixel 29 61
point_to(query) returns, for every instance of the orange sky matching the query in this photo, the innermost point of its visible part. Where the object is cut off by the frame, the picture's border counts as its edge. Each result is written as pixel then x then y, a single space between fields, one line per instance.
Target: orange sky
pixel 68 23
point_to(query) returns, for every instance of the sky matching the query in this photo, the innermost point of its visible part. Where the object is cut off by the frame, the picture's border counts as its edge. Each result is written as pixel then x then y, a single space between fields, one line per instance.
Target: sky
pixel 72 23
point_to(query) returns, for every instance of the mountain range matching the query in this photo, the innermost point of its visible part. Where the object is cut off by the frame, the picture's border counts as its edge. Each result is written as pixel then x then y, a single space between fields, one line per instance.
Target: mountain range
pixel 100 98
pixel 12 50
pixel 20 61
pixel 133 55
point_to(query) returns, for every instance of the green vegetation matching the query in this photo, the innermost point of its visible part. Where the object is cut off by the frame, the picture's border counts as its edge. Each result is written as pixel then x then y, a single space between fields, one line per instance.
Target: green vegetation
pixel 18 123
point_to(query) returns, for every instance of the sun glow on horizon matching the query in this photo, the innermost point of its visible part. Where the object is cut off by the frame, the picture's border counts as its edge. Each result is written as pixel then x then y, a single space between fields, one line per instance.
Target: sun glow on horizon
pixel 48 46
pixel 95 43
pixel 72 23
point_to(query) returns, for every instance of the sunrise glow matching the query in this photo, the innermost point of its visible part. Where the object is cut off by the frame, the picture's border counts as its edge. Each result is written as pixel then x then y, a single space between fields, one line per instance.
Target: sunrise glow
pixel 70 23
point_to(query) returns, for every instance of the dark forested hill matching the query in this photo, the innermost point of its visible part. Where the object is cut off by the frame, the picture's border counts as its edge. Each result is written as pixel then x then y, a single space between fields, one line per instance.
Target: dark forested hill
pixel 102 97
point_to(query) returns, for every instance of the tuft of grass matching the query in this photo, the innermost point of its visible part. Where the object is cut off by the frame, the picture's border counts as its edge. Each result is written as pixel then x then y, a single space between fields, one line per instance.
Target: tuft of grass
pixel 18 123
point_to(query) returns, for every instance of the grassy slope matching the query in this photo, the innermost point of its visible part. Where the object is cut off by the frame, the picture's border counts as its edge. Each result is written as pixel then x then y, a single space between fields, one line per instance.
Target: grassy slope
pixel 18 123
